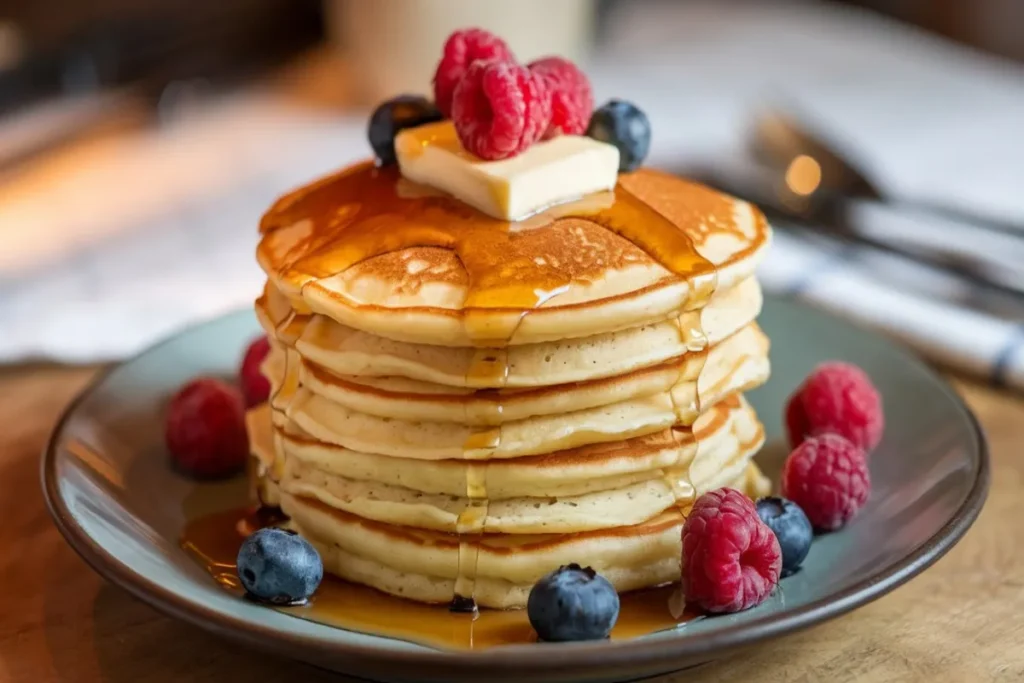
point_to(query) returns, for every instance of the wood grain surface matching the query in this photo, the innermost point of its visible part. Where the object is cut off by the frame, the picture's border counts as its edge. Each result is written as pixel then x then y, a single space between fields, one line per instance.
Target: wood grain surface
pixel 961 621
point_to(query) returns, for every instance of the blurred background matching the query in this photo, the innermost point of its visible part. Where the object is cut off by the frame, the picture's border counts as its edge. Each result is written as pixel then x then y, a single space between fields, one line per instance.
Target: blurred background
pixel 140 140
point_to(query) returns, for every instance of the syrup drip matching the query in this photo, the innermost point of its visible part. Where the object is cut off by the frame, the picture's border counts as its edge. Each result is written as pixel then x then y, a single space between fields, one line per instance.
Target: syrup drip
pixel 286 331
pixel 695 341
pixel 214 541
pixel 490 368
pixel 364 212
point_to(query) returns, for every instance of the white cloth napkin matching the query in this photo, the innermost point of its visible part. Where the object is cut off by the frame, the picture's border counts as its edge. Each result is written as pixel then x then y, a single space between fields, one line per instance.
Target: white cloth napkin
pixel 912 304
pixel 157 230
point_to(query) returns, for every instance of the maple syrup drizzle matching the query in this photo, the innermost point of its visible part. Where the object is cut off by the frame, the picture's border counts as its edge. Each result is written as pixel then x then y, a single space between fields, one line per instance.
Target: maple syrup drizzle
pixel 363 212
pixel 213 541
pixel 490 368
pixel 286 332
pixel 695 342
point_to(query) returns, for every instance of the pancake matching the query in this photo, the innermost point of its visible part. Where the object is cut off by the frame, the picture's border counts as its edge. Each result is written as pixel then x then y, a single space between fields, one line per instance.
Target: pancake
pixel 413 400
pixel 725 451
pixel 423 565
pixel 348 351
pixel 334 423
pixel 572 472
pixel 377 253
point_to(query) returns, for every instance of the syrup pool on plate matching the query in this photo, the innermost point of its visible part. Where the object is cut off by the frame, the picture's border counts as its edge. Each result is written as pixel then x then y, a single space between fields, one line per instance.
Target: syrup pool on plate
pixel 214 541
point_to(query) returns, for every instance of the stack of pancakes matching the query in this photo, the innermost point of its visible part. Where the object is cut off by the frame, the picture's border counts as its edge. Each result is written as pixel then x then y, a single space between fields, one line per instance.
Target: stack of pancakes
pixel 460 405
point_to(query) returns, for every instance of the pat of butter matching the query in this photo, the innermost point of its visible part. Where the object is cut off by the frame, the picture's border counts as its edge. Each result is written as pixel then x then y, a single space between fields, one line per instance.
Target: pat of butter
pixel 548 173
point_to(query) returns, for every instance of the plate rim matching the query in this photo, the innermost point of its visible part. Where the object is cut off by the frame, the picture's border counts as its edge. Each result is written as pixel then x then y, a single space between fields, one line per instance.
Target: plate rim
pixel 650 653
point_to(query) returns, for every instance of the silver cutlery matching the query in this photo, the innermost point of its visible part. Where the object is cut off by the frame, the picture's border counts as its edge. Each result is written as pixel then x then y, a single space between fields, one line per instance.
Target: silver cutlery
pixel 795 174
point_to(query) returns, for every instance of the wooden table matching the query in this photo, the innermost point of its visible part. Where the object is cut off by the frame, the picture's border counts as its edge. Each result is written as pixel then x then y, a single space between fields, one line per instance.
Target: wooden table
pixel 961 621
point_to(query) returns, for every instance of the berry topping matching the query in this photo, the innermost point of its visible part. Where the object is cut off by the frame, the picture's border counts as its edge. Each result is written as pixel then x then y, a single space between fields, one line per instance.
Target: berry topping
pixel 791 527
pixel 827 476
pixel 573 603
pixel 399 113
pixel 460 50
pixel 731 559
pixel 572 99
pixel 279 567
pixel 624 125
pixel 255 387
pixel 500 109
pixel 205 429
pixel 839 398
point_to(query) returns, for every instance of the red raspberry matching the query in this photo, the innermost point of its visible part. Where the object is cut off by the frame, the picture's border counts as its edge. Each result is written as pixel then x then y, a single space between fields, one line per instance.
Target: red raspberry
pixel 500 109
pixel 255 386
pixel 731 559
pixel 827 476
pixel 572 99
pixel 838 398
pixel 460 50
pixel 205 430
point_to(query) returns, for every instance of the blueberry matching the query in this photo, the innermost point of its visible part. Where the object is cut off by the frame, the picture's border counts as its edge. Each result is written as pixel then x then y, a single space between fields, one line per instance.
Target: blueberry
pixel 404 111
pixel 791 527
pixel 622 124
pixel 573 603
pixel 279 567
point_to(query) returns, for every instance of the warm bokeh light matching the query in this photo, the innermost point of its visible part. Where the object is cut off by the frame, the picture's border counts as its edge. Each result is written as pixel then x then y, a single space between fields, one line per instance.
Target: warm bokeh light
pixel 803 176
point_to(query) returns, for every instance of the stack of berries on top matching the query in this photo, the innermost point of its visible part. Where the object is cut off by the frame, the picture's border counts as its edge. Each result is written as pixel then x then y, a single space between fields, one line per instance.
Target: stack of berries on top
pixel 735 551
pixel 499 108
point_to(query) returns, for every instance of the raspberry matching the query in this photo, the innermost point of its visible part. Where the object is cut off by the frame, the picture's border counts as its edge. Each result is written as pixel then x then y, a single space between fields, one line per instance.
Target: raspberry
pixel 460 50
pixel 572 99
pixel 838 398
pixel 731 559
pixel 500 109
pixel 205 429
pixel 827 476
pixel 255 386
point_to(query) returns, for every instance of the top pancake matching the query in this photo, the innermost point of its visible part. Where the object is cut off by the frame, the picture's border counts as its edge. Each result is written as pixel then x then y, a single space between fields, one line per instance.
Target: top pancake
pixel 377 253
